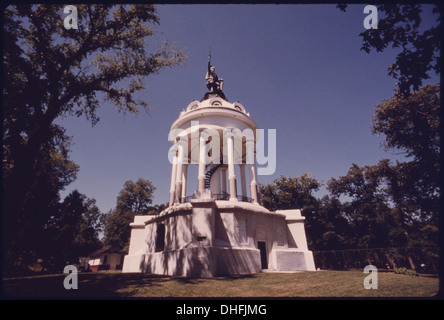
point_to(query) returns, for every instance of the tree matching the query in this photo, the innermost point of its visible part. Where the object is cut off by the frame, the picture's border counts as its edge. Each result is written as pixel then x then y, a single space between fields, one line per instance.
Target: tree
pixel 136 196
pixel 400 26
pixel 418 210
pixel 410 121
pixel 379 207
pixel 50 72
pixel 381 213
pixel 289 193
pixel 297 193
pixel 367 206
pixel 52 170
pixel 73 231
pixel 327 228
pixel 133 199
pixel 412 125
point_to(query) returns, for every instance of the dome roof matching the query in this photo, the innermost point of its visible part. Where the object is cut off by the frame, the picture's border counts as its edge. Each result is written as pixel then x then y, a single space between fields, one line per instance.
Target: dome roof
pixel 214 110
pixel 215 102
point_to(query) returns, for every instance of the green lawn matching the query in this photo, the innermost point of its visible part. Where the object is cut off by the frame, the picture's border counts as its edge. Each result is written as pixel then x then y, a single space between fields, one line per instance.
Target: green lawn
pixel 304 284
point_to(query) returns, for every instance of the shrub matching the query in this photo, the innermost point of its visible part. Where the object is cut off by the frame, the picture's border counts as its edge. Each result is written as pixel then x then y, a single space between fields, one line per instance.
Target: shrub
pixel 406 271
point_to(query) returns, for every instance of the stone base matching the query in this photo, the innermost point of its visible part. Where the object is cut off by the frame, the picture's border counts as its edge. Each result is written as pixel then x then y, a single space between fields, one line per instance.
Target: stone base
pixel 212 94
pixel 196 262
pixel 209 238
pixel 293 260
pixel 208 262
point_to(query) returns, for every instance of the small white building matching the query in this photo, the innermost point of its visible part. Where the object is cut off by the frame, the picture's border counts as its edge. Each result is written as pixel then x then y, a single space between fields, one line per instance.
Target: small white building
pixel 222 229
pixel 105 259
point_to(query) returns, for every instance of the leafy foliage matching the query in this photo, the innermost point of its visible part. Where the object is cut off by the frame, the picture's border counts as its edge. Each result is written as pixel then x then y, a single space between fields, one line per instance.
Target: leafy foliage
pixel 133 199
pixel 412 125
pixel 373 221
pixel 391 205
pixel 326 226
pixel 136 196
pixel 406 271
pixel 401 26
pixel 289 193
pixel 50 72
pixel 74 231
pixel 325 223
pixel 370 207
pixel 52 171
pixel 58 71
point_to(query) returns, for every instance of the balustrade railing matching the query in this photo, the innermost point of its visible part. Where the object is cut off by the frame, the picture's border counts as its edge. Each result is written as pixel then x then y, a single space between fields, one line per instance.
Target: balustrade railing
pixel 220 196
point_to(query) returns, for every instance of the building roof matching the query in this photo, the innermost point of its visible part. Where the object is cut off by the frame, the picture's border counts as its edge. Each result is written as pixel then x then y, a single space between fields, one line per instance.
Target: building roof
pixel 105 249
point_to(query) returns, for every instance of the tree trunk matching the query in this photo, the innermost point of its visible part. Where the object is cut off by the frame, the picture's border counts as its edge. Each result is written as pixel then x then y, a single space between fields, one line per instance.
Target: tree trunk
pixel 392 262
pixel 18 184
pixel 412 265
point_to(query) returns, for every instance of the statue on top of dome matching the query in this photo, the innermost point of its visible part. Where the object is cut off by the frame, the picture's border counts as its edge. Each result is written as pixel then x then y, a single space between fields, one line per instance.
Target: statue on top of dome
pixel 214 83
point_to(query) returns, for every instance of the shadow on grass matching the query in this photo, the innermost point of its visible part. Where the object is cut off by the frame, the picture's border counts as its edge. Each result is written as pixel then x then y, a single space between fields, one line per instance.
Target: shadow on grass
pixel 96 285
pixel 185 280
pixel 90 285
pixel 108 285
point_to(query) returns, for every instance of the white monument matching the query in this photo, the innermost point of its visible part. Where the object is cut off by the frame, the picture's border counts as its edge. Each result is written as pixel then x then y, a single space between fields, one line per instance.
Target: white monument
pixel 221 229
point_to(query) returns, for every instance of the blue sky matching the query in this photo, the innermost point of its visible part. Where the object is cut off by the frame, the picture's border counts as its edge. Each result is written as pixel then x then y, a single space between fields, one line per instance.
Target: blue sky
pixel 295 68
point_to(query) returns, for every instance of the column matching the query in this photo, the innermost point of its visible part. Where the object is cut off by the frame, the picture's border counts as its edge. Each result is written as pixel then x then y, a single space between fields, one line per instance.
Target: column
pixel 215 182
pixel 179 169
pixel 202 165
pixel 184 182
pixel 173 180
pixel 224 179
pixel 243 182
pixel 231 172
pixel 253 183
